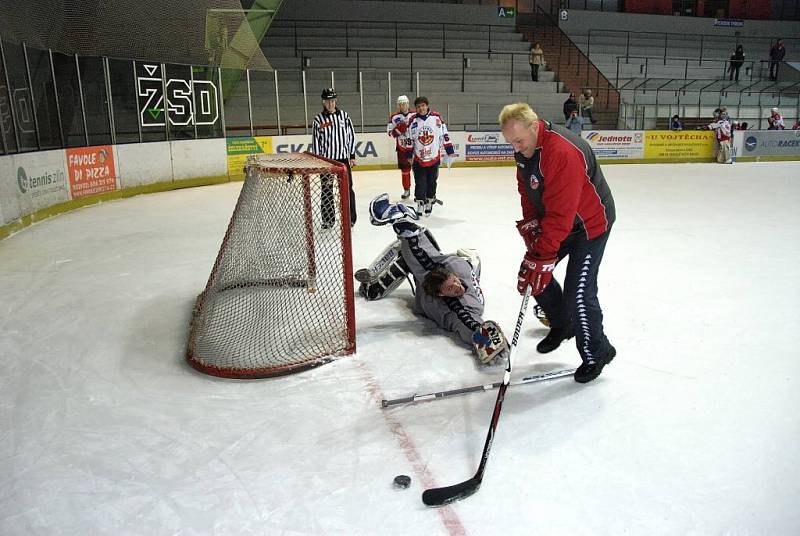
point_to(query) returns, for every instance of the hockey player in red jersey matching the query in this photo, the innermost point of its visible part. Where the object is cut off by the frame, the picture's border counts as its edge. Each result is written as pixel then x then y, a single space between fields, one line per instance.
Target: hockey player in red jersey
pixel 397 127
pixel 567 211
pixel 428 134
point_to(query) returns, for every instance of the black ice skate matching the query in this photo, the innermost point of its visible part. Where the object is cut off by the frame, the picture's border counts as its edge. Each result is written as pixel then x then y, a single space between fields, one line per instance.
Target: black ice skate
pixel 554 339
pixel 591 368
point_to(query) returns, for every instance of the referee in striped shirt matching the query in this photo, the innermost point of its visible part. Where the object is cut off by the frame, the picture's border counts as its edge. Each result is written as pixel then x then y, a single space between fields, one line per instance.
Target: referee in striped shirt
pixel 334 138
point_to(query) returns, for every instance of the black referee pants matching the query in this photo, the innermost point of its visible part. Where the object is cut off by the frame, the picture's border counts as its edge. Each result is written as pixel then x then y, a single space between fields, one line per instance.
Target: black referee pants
pixel 578 302
pixel 327 202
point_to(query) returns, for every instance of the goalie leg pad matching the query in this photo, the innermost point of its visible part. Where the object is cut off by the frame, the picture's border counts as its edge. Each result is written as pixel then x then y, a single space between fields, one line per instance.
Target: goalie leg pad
pixel 386 257
pixel 384 274
pixel 489 342
pixel 386 282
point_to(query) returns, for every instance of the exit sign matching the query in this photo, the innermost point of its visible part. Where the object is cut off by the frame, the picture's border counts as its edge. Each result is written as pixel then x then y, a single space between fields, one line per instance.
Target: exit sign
pixel 506 12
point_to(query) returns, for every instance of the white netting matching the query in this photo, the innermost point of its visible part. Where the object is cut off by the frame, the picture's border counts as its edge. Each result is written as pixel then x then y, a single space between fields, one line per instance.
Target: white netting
pixel 280 297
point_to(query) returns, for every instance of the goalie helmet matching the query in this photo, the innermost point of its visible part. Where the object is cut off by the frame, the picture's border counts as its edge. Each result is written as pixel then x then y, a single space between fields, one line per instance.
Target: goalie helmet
pixel 328 93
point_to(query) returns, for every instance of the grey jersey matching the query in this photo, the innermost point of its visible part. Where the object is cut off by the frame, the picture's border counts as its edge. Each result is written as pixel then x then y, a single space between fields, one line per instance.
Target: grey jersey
pixel 462 315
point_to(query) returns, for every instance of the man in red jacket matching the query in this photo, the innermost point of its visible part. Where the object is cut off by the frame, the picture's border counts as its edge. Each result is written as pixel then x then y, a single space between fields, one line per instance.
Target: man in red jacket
pixel 567 211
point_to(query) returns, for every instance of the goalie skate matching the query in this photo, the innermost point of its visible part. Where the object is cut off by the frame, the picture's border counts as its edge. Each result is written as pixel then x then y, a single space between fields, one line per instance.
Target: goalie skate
pixel 381 211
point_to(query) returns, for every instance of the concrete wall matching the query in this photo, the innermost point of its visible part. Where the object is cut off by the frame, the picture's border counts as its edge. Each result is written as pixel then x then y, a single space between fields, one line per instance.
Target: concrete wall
pixel 581 21
pixel 790 71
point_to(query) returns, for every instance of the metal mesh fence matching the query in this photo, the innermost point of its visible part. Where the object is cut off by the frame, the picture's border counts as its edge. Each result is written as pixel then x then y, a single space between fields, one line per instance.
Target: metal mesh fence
pixel 280 296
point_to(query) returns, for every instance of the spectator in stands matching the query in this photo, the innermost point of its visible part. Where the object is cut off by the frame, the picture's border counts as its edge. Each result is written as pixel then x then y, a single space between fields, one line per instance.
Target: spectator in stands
pixel 737 60
pixel 675 123
pixel 575 123
pixel 586 104
pixel 570 105
pixel 775 120
pixel 722 128
pixel 776 54
pixel 536 59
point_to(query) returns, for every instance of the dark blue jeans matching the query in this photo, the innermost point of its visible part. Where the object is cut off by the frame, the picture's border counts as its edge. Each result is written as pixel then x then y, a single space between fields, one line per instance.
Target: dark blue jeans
pixel 577 302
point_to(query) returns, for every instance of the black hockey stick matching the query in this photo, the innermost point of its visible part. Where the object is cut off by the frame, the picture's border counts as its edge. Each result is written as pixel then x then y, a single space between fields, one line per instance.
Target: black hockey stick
pixel 535 378
pixel 456 492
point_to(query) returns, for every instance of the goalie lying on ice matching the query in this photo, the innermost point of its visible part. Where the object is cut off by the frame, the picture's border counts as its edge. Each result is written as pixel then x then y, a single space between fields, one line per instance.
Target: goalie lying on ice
pixel 450 293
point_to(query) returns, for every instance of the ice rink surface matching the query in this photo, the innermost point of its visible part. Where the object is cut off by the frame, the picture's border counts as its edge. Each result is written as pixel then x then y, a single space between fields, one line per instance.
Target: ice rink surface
pixel 693 429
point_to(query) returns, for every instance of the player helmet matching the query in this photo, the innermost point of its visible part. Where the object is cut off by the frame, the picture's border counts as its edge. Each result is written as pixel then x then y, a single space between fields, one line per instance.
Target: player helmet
pixel 402 99
pixel 328 93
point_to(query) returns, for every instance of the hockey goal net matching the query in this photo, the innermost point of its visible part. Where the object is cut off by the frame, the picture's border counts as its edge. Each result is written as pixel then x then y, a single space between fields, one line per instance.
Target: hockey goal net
pixel 280 296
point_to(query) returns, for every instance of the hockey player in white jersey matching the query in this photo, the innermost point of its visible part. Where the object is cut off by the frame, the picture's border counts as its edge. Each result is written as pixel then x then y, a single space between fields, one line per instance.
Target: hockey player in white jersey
pixel 722 128
pixel 428 134
pixel 397 128
pixel 447 286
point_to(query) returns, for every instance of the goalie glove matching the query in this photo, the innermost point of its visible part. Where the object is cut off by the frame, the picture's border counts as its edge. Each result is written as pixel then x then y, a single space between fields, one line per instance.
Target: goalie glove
pixel 489 342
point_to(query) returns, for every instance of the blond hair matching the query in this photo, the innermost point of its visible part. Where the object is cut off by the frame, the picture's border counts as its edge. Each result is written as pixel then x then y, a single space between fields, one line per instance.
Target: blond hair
pixel 520 112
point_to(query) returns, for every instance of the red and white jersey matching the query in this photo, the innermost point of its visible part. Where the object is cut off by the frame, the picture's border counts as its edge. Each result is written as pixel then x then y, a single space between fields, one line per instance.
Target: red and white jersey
pixel 429 135
pixel 722 129
pixel 398 129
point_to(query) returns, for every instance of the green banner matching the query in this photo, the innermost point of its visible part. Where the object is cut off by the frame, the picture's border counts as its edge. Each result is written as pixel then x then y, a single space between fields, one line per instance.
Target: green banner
pixel 238 150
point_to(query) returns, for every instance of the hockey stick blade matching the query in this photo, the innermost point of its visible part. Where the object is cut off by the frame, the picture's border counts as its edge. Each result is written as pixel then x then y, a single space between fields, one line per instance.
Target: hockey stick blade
pixel 456 492
pixel 443 496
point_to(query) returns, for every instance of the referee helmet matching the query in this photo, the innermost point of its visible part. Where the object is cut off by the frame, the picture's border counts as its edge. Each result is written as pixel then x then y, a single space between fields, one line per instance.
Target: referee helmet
pixel 328 93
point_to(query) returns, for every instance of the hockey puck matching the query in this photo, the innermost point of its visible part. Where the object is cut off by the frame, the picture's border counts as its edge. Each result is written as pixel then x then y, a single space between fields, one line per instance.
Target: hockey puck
pixel 402 481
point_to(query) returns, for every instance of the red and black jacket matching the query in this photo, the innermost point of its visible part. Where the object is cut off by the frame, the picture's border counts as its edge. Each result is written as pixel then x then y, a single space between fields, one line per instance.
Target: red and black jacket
pixel 562 186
